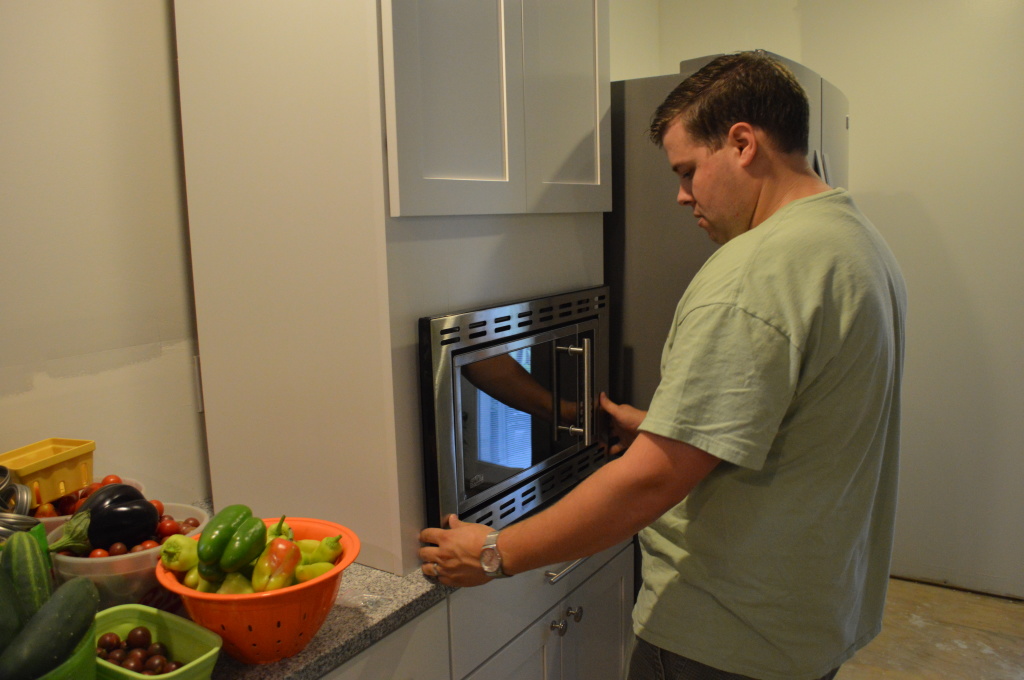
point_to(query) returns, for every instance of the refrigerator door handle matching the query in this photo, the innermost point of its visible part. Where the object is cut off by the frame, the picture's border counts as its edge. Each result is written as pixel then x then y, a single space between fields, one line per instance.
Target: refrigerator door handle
pixel 816 164
pixel 825 169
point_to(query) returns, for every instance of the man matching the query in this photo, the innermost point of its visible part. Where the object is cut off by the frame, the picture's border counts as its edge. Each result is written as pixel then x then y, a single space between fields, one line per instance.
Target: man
pixel 763 478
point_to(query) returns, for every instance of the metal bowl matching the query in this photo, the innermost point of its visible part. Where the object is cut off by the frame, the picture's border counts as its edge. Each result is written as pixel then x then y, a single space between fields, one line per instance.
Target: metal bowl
pixel 11 522
pixel 16 499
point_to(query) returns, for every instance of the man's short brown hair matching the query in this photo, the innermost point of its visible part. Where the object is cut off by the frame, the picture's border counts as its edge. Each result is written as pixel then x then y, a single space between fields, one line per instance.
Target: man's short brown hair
pixel 748 87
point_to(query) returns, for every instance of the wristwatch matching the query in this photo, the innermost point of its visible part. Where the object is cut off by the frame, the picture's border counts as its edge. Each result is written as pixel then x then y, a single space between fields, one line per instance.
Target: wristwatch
pixel 490 558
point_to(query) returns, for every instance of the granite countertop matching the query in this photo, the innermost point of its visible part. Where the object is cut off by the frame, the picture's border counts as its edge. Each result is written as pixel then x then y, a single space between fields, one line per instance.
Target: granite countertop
pixel 370 604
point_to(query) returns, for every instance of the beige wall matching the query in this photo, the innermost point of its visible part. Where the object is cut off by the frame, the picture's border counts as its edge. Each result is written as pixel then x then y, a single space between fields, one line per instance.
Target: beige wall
pixel 934 162
pixel 95 303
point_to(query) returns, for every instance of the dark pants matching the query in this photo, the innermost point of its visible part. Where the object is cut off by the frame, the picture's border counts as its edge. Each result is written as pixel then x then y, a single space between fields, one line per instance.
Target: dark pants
pixel 653 663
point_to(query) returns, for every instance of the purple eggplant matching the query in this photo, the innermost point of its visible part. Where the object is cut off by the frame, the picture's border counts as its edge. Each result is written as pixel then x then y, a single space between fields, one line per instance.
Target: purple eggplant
pixel 119 513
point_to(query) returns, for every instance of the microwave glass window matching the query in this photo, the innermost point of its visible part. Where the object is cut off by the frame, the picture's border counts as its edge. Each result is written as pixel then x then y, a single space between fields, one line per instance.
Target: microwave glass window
pixel 507 414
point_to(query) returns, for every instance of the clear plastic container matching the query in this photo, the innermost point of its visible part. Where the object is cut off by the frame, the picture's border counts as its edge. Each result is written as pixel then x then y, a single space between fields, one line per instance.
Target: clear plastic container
pixel 130 578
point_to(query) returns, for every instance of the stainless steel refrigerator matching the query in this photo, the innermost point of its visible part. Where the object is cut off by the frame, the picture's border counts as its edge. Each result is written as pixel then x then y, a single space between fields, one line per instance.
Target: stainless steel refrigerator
pixel 653 246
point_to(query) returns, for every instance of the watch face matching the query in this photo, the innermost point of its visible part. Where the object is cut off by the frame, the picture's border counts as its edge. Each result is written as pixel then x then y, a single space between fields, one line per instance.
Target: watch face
pixel 489 560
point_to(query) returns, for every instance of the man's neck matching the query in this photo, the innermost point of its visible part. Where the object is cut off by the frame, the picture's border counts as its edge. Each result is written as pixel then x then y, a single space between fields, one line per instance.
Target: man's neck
pixel 785 185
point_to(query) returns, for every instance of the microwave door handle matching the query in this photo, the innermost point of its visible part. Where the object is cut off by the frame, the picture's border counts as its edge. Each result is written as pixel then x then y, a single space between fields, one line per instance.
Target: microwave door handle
pixel 588 395
pixel 556 396
pixel 587 431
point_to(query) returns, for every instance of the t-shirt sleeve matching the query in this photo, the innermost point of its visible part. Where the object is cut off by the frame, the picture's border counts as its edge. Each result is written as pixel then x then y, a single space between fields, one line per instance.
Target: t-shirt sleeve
pixel 728 378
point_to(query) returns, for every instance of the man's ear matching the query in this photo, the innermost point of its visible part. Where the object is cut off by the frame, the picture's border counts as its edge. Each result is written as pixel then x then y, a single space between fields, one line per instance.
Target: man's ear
pixel 743 140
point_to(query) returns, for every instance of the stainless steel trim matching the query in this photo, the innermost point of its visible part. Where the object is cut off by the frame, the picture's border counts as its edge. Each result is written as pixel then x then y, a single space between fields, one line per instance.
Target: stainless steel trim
pixel 443 338
pixel 556 576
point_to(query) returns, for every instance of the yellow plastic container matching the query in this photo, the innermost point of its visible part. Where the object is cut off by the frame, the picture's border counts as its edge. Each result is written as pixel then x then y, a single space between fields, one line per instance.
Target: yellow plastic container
pixel 52 467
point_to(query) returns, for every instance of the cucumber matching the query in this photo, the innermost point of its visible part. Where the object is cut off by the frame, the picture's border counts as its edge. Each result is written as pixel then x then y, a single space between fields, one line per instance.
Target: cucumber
pixel 218 532
pixel 29 570
pixel 48 638
pixel 10 619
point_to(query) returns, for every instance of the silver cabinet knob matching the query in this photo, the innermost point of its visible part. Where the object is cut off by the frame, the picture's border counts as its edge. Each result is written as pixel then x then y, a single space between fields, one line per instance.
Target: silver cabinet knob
pixel 575 613
pixel 560 626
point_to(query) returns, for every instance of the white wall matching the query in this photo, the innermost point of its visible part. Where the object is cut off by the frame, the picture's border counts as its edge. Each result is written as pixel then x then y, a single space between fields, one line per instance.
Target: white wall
pixel 935 160
pixel 95 302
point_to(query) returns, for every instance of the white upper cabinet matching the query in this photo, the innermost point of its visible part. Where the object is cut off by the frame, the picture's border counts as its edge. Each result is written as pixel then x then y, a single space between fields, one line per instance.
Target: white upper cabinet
pixel 496 106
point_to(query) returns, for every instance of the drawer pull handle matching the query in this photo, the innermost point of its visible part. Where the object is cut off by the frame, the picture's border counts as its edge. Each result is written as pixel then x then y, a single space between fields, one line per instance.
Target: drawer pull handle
pixel 560 626
pixel 556 576
pixel 575 613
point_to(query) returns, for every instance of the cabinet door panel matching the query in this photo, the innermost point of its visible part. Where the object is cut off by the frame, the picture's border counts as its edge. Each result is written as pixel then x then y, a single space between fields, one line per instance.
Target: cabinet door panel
pixel 597 646
pixel 416 651
pixel 567 105
pixel 453 79
pixel 534 655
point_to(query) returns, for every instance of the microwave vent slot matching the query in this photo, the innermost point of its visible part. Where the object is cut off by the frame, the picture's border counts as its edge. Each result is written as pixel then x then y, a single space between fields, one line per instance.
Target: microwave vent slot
pixel 536 492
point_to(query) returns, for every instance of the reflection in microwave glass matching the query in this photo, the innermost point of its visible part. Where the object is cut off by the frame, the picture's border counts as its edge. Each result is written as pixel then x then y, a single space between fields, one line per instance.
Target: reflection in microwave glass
pixel 507 409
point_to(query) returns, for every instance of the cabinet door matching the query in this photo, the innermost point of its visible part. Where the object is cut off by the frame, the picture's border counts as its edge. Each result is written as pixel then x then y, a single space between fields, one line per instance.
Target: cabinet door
pixel 533 655
pixel 416 651
pixel 568 129
pixel 599 630
pixel 454 106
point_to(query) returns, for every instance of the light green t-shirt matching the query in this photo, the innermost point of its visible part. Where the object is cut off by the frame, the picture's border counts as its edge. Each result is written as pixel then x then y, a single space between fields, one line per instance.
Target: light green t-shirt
pixel 784 360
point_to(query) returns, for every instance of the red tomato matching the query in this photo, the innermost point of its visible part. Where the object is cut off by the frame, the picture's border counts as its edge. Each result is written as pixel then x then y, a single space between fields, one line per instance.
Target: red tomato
pixel 137 548
pixel 78 504
pixel 87 491
pixel 146 545
pixel 99 552
pixel 46 510
pixel 110 479
pixel 118 549
pixel 159 507
pixel 65 505
pixel 168 527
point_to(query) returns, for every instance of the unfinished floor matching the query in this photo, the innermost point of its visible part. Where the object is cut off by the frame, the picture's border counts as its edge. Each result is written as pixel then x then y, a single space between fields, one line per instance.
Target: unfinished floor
pixel 935 633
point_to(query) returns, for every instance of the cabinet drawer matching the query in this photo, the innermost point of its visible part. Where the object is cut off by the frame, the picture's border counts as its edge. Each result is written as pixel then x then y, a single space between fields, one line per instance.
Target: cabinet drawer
pixel 484 619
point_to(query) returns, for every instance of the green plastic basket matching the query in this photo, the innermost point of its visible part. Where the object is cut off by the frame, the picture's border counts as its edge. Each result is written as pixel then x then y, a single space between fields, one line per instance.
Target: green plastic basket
pixel 196 647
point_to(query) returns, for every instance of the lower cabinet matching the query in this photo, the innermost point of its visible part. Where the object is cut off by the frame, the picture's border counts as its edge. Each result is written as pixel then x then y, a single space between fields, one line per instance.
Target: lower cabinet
pixel 416 651
pixel 568 622
pixel 586 633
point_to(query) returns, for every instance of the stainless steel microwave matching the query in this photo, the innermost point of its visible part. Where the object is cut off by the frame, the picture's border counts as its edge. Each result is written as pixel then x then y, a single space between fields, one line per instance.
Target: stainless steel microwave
pixel 509 404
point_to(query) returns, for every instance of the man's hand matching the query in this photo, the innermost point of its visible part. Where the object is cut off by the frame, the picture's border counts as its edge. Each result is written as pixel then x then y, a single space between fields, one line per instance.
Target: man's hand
pixel 453 555
pixel 625 422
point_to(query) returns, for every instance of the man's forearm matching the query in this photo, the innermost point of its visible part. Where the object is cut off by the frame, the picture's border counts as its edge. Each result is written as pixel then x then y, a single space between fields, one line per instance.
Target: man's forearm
pixel 608 507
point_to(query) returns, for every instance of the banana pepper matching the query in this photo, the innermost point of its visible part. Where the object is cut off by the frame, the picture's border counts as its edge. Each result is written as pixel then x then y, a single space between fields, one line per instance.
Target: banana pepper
pixel 306 572
pixel 280 529
pixel 329 550
pixel 178 553
pixel 275 568
pixel 235 584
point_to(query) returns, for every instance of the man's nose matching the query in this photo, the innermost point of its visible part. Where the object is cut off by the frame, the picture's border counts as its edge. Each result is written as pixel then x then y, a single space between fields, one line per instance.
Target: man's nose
pixel 684 197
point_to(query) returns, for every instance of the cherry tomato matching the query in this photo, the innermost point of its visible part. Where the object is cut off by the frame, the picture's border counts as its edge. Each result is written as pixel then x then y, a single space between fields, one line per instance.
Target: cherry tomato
pixel 99 552
pixel 87 490
pixel 146 545
pixel 137 548
pixel 159 507
pixel 65 505
pixel 168 527
pixel 111 479
pixel 118 549
pixel 46 510
pixel 78 504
